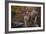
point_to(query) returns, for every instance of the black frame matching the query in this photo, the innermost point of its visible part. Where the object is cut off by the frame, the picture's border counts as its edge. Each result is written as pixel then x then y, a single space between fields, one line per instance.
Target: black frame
pixel 6 16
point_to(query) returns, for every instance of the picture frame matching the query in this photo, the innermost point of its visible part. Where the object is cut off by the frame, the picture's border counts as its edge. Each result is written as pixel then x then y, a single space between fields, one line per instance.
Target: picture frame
pixel 8 10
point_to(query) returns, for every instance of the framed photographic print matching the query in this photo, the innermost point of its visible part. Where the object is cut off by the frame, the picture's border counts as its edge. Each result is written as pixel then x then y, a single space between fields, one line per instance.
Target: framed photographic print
pixel 24 16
